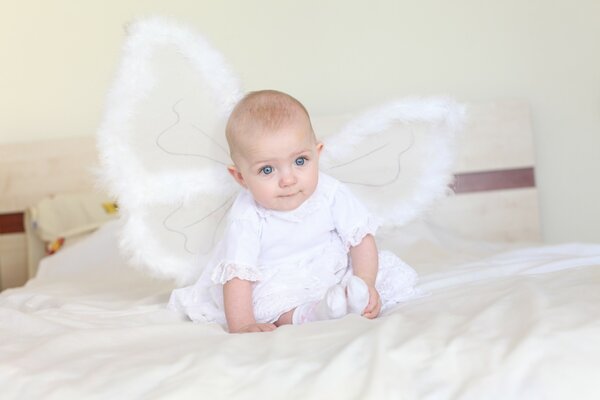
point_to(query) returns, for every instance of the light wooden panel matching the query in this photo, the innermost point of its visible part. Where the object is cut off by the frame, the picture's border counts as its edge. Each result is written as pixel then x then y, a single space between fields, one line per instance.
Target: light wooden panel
pixel 496 216
pixel 498 135
pixel 31 171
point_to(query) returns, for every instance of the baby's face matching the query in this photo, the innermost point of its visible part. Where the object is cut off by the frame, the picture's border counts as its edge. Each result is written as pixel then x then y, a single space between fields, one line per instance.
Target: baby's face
pixel 280 169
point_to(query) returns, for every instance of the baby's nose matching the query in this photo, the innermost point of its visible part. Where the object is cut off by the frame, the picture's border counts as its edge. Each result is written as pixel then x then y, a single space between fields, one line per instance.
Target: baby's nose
pixel 287 178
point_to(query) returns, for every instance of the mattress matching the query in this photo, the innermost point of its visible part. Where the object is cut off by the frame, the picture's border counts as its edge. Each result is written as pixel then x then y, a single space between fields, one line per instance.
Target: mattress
pixel 491 322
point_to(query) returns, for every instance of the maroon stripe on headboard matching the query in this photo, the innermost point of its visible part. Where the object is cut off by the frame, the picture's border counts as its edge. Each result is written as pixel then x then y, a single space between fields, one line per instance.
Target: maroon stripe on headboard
pixel 494 180
pixel 11 223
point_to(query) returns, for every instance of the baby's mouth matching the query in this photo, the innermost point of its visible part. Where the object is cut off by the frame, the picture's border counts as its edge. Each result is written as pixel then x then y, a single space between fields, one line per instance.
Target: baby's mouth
pixel 289 195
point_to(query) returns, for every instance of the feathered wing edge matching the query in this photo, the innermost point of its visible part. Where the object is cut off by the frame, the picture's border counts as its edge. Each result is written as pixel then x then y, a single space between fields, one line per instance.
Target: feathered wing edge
pixel 446 118
pixel 121 169
pixel 122 172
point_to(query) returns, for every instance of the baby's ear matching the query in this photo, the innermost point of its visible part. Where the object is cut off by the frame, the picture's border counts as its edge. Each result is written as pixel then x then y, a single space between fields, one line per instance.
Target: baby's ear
pixel 319 147
pixel 237 175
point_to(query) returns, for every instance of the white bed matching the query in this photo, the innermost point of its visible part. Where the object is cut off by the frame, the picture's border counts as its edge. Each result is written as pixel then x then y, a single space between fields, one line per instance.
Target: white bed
pixel 518 324
pixel 498 318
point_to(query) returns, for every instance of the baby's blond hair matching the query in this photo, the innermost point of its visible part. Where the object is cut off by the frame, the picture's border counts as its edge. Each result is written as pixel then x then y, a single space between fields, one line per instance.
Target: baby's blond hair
pixel 263 111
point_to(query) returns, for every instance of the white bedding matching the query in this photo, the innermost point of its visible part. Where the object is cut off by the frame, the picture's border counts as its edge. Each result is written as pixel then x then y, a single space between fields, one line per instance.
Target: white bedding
pixel 522 324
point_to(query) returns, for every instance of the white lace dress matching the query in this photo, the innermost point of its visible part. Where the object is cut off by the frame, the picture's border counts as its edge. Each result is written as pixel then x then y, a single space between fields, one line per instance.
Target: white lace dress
pixel 292 257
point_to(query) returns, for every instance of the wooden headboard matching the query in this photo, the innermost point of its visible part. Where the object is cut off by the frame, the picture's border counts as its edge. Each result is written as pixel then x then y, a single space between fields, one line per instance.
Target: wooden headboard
pixel 495 199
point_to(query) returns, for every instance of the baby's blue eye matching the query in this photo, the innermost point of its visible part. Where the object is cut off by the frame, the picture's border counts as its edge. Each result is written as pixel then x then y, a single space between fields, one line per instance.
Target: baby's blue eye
pixel 300 160
pixel 266 170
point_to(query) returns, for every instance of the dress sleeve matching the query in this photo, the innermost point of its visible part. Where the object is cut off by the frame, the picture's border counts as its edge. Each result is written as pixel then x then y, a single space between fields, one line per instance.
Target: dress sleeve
pixel 241 247
pixel 351 218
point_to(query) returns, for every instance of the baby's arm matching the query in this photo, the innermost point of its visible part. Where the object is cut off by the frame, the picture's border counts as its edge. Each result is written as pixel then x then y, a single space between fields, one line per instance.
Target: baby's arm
pixel 365 264
pixel 237 297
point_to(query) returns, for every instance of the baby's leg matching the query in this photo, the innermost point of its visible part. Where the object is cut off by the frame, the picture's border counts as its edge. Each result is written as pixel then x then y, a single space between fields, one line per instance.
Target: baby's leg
pixel 285 318
pixel 332 306
pixel 358 295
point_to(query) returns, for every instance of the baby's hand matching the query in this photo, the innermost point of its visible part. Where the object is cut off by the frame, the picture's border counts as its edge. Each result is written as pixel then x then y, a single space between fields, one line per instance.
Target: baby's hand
pixel 374 307
pixel 256 327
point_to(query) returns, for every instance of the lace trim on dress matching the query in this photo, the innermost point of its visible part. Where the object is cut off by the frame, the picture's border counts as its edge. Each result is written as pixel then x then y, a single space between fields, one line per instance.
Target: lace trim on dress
pixel 226 271
pixel 359 232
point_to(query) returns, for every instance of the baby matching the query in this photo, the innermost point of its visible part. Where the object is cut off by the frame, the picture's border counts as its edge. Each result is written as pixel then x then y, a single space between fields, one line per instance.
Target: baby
pixel 298 246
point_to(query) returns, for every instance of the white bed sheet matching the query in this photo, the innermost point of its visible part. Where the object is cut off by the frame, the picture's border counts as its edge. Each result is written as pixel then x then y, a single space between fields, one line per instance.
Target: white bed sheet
pixel 522 324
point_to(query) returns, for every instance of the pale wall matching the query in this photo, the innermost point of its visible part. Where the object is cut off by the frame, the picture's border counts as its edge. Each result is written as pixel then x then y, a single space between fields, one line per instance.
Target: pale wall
pixel 58 57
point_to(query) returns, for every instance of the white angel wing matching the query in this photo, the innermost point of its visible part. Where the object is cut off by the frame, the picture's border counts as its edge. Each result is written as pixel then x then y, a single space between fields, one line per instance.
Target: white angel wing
pixel 162 147
pixel 398 157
